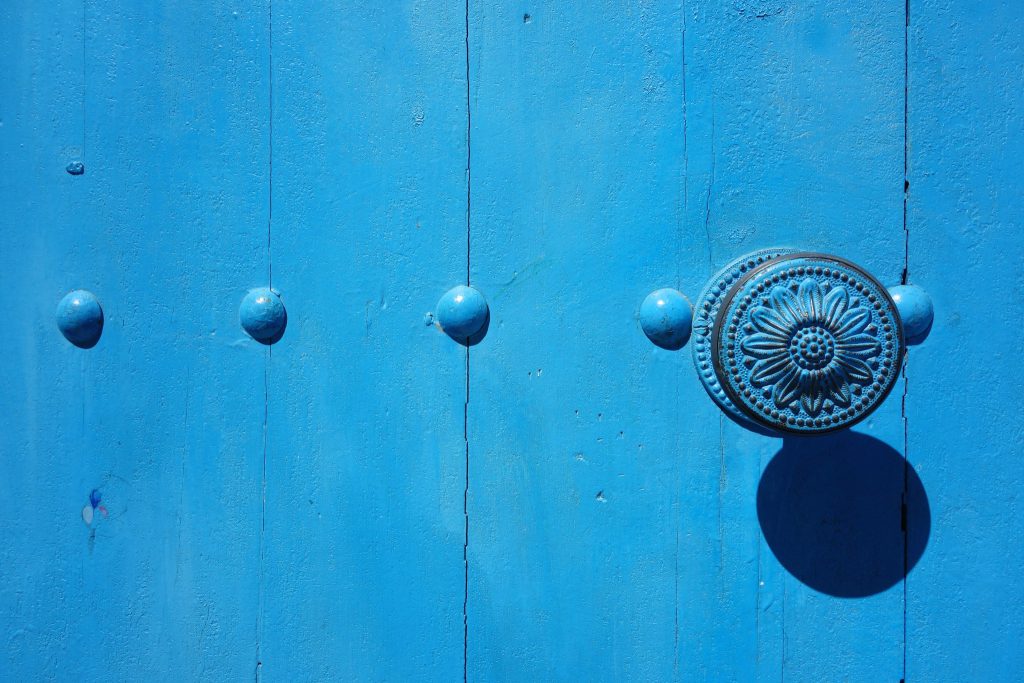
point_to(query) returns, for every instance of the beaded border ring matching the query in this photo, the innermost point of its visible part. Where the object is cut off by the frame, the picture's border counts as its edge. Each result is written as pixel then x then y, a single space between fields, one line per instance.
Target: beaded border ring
pixel 705 312
pixel 805 343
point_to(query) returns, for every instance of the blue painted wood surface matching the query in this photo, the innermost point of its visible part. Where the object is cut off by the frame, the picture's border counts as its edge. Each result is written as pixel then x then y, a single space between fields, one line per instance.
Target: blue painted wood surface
pixel 364 538
pixel 964 220
pixel 368 499
pixel 630 503
pixel 160 425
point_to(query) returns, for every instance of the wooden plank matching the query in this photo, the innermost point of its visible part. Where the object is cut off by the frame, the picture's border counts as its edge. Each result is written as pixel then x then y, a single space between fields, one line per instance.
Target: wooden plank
pixel 796 139
pixel 624 540
pixel 364 562
pixel 966 248
pixel 581 432
pixel 160 422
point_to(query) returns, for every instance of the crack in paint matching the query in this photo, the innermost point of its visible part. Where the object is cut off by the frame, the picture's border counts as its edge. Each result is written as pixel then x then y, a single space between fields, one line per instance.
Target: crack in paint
pixel 269 354
pixel 711 187
pixel 465 405
pixel 465 542
pixel 679 246
pixel 904 522
pixel 469 156
pixel 270 137
pixel 782 663
pixel 686 153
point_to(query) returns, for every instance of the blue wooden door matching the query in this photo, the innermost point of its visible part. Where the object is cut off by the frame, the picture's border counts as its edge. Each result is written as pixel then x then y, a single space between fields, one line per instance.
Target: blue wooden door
pixel 559 500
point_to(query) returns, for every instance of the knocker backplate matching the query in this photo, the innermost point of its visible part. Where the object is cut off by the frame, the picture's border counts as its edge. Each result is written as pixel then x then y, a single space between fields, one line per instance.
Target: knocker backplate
pixel 704 326
pixel 806 343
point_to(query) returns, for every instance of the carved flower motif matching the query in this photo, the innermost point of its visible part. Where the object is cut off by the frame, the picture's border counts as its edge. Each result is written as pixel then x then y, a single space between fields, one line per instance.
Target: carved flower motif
pixel 810 346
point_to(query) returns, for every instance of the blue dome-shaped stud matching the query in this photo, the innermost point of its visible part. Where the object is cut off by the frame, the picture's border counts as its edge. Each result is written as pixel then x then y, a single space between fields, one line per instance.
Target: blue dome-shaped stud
pixel 80 318
pixel 666 317
pixel 916 311
pixel 263 315
pixel 462 314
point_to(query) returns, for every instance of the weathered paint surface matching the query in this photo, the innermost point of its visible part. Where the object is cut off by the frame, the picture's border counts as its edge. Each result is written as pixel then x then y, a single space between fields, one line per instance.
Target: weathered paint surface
pixel 166 108
pixel 965 226
pixel 365 458
pixel 558 499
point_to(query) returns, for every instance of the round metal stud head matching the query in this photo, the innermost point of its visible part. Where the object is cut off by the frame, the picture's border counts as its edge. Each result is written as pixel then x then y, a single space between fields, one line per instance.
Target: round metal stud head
pixel 916 311
pixel 80 318
pixel 461 312
pixel 666 317
pixel 263 315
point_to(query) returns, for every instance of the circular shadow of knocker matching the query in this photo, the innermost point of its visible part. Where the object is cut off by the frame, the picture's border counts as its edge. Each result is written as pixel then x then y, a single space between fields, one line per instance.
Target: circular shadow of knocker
pixel 831 511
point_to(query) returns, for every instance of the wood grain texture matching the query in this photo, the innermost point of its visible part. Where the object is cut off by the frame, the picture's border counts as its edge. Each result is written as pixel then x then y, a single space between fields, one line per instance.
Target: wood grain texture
pixel 578 439
pixel 613 511
pixel 167 110
pixel 796 139
pixel 369 500
pixel 365 576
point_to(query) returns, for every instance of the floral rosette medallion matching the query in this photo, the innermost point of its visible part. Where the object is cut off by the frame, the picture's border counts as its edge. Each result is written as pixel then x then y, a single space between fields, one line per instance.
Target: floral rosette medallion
pixel 804 343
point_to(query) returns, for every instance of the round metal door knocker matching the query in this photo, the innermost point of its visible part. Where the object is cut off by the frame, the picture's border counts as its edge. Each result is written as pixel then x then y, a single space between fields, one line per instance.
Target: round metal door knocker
pixel 797 342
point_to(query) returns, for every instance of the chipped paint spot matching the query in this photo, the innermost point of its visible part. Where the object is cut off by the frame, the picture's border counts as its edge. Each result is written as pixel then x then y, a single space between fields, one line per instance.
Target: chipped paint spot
pixel 95 504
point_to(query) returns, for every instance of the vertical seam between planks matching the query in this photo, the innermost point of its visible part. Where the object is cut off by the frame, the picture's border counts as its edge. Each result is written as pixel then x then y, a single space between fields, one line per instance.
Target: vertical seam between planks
pixel 270 138
pixel 269 354
pixel 465 405
pixel 85 78
pixel 82 159
pixel 686 155
pixel 757 599
pixel 904 522
pixel 465 542
pixel 679 251
pixel 782 663
pixel 469 156
pixel 906 140
pixel 721 490
pixel 263 519
pixel 711 187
